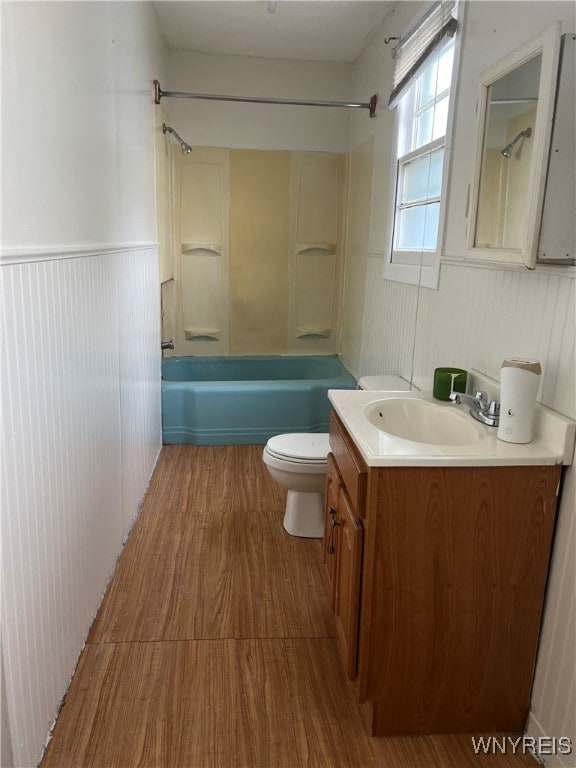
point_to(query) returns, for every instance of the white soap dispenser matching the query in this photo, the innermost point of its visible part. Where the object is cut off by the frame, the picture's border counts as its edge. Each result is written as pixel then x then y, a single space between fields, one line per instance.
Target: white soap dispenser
pixel 519 381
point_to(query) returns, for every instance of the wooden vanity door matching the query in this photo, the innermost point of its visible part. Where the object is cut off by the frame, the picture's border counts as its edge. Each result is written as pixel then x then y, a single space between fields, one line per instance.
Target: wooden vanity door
pixel 331 528
pixel 349 568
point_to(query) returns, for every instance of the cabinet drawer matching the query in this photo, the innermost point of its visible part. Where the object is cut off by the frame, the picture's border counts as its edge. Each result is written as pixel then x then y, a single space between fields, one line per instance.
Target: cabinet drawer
pixel 351 466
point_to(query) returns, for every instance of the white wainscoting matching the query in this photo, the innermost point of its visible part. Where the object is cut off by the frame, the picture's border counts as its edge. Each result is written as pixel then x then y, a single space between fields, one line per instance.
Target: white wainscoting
pixel 389 324
pixel 476 319
pixel 81 434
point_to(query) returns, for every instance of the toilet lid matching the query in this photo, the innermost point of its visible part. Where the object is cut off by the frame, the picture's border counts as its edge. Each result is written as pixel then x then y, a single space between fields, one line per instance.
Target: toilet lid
pixel 307 447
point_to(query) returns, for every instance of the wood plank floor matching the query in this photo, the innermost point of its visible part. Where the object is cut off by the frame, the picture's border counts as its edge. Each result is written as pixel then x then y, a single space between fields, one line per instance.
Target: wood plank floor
pixel 215 645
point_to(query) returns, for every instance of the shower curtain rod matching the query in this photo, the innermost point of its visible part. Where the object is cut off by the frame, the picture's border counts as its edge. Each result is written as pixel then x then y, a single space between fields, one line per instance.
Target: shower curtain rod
pixel 159 94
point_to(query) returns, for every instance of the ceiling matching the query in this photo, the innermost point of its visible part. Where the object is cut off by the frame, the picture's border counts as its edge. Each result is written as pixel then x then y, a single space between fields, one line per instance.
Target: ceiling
pixel 316 30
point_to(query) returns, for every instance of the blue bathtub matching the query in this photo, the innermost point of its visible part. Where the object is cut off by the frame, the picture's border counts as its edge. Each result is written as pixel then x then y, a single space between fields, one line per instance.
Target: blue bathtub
pixel 239 400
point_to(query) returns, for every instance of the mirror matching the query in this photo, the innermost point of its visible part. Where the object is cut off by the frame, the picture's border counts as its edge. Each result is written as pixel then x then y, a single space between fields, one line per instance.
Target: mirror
pixel 515 120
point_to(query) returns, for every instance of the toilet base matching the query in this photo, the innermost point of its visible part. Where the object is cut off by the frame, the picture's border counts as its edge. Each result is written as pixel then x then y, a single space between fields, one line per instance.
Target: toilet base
pixel 304 515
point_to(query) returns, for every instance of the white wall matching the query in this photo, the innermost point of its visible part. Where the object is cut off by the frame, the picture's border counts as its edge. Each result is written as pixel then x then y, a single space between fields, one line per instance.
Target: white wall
pixel 258 126
pixel 76 88
pixel 80 322
pixel 478 316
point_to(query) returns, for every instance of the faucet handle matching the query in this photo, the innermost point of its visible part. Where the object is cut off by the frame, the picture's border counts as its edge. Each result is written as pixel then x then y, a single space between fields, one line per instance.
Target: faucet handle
pixel 480 408
pixel 494 408
pixel 478 401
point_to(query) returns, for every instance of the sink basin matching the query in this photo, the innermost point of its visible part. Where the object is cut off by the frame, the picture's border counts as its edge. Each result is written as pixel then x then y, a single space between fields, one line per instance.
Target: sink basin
pixel 421 421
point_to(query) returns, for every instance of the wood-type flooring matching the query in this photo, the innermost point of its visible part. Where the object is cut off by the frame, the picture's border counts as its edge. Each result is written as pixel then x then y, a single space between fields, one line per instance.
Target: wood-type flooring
pixel 215 645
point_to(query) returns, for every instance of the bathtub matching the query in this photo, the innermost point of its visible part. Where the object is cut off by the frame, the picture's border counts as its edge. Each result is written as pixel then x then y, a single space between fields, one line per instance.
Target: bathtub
pixel 239 400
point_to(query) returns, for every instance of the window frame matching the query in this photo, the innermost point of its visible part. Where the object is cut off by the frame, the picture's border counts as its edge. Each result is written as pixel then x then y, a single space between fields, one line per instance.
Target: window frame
pixel 422 267
pixel 425 256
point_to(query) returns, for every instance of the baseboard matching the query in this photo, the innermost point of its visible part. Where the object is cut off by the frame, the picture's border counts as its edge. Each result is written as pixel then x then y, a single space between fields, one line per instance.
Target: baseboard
pixel 551 752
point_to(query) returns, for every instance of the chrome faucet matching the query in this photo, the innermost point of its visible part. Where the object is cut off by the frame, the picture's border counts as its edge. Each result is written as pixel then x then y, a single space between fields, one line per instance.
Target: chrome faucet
pixel 480 408
pixel 167 344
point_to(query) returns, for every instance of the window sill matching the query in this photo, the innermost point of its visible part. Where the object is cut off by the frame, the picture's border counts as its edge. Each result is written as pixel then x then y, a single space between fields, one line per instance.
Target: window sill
pixel 557 270
pixel 424 276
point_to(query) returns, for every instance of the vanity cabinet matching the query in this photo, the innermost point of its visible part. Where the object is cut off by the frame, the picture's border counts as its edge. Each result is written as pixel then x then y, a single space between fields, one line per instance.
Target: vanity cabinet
pixel 437 579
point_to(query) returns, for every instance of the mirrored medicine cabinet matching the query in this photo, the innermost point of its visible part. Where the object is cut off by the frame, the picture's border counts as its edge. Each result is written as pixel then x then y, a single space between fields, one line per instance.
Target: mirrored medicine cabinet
pixel 515 114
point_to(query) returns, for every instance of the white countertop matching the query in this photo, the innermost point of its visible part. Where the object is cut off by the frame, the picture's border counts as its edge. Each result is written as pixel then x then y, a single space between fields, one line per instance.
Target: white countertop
pixel 553 441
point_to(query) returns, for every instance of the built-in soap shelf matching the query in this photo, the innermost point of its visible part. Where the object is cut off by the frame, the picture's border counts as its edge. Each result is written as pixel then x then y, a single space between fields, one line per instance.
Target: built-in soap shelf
pixel 202 333
pixel 303 332
pixel 214 248
pixel 328 248
pixel 314 281
pixel 202 279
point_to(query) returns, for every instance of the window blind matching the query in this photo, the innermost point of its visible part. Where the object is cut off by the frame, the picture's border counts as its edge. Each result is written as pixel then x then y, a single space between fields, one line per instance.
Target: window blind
pixel 417 44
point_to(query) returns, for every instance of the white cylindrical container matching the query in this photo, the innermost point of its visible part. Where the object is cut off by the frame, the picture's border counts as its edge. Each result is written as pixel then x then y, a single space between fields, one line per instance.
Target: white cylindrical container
pixel 519 381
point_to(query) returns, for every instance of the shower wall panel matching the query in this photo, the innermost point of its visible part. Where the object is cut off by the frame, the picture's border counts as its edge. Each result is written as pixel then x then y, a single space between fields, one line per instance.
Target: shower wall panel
pixel 259 231
pixel 358 226
pixel 201 225
pixel 318 193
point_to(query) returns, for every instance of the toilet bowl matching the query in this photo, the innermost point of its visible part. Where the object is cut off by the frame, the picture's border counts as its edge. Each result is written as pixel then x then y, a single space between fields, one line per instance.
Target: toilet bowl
pixel 297 461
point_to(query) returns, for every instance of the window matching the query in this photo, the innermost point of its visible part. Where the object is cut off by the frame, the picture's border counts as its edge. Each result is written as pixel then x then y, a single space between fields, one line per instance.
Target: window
pixel 423 118
pixel 421 95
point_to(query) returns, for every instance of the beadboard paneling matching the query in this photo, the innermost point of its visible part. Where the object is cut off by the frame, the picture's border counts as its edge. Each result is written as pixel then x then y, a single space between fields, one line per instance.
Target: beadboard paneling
pixel 140 372
pixel 476 319
pixel 389 324
pixel 81 426
pixel 480 316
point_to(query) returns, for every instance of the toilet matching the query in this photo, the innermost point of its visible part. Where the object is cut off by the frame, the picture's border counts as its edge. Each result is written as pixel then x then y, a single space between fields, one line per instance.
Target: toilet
pixel 298 460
